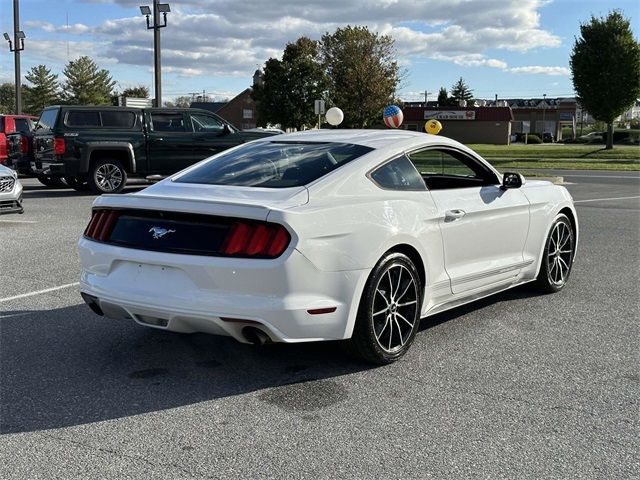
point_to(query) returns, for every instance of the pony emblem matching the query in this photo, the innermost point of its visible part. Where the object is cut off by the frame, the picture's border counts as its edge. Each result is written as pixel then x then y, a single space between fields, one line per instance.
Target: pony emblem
pixel 159 232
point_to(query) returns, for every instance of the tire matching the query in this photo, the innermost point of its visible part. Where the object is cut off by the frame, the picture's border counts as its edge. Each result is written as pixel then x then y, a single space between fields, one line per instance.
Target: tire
pixel 389 311
pixel 79 184
pixel 557 256
pixel 107 176
pixel 49 181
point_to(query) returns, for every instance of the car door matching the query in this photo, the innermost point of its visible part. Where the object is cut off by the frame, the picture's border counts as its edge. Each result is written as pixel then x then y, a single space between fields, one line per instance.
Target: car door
pixel 211 135
pixel 169 142
pixel 484 227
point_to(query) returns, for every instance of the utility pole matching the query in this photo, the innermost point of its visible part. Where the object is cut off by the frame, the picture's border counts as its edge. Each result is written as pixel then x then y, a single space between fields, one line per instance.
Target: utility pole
pixel 426 97
pixel 544 109
pixel 16 46
pixel 158 8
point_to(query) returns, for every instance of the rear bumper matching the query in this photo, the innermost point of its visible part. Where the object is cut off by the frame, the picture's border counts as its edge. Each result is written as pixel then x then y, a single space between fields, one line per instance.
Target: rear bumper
pixel 185 293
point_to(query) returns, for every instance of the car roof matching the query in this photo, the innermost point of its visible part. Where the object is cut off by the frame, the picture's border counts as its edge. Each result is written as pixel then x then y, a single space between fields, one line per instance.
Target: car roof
pixel 376 139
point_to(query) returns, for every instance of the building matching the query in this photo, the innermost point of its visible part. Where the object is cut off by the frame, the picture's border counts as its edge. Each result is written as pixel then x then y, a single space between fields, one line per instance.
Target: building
pixel 464 124
pixel 539 115
pixel 239 111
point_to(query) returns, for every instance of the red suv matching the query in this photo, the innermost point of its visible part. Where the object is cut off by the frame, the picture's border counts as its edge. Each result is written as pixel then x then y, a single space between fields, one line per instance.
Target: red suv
pixel 11 124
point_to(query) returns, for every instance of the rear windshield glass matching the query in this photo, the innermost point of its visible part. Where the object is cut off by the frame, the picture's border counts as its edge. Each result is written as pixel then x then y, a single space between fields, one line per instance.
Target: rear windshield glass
pixel 274 164
pixel 47 119
pixel 83 119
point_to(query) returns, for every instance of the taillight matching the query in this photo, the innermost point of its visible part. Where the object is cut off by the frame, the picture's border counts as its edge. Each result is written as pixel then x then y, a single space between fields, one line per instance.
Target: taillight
pixel 247 239
pixel 24 145
pixel 58 146
pixel 101 224
pixel 3 147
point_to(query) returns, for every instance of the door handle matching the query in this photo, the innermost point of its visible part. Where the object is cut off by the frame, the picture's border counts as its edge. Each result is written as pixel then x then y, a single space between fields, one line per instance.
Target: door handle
pixel 157 139
pixel 452 215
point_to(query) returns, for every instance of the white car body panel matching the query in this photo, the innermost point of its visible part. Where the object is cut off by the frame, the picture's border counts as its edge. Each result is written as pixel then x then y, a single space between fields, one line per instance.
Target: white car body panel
pixel 340 226
pixel 10 191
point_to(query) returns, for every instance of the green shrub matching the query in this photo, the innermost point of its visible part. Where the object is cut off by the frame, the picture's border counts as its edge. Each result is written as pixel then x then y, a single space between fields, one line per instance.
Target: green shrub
pixel 534 139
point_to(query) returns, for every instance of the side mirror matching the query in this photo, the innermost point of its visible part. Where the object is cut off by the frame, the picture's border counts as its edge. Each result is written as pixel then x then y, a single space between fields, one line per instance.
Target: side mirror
pixel 226 130
pixel 512 180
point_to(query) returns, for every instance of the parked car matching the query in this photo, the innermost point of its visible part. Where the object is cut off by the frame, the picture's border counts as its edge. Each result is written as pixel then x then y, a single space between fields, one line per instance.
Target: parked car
pixel 10 191
pixel 592 137
pixel 10 124
pixel 99 147
pixel 325 235
pixel 547 137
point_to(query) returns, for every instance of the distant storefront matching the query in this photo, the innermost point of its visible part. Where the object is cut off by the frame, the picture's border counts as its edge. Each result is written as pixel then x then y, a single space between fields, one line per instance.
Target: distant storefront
pixel 464 124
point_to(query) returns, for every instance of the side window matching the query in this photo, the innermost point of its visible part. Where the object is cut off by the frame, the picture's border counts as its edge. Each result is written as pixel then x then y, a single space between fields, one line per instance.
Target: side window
pixel 443 168
pixel 206 123
pixel 83 119
pixel 116 119
pixel 167 122
pixel 398 174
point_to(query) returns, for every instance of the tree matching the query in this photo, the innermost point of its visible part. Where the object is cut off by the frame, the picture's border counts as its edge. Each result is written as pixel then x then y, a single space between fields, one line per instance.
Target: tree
pixel 443 97
pixel 179 102
pixel 43 90
pixel 7 97
pixel 605 66
pixel 290 86
pixel 461 91
pixel 363 71
pixel 86 84
pixel 136 92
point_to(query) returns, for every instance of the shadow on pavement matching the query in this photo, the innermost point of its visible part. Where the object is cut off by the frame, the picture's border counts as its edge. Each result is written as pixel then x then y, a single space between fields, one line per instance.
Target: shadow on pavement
pixel 68 367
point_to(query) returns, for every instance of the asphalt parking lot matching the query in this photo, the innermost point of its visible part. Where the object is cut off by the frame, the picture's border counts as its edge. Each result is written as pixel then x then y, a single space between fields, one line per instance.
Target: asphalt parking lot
pixel 516 386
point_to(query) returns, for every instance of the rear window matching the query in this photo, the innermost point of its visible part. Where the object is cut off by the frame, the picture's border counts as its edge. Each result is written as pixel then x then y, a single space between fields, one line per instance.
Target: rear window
pixel 48 119
pixel 23 125
pixel 83 119
pixel 274 164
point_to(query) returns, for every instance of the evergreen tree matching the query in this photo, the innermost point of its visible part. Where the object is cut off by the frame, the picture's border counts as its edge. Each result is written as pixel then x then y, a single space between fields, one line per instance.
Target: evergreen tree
pixel 461 91
pixel 86 84
pixel 605 65
pixel 7 97
pixel 43 90
pixel 443 97
pixel 140 91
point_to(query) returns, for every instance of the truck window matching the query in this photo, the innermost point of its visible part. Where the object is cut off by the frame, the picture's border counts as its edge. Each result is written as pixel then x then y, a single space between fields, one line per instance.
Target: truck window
pixel 167 122
pixel 83 119
pixel 23 125
pixel 115 119
pixel 206 123
pixel 48 119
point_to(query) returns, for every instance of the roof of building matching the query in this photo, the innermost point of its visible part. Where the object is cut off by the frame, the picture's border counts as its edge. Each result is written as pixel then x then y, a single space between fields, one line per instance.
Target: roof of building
pixel 209 106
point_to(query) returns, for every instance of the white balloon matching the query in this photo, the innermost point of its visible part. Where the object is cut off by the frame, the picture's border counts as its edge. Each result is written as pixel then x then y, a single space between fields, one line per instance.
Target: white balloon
pixel 334 116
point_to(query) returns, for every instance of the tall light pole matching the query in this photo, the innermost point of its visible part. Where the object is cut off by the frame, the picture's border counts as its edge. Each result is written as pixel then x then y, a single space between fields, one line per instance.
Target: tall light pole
pixel 426 97
pixel 158 8
pixel 16 47
pixel 544 109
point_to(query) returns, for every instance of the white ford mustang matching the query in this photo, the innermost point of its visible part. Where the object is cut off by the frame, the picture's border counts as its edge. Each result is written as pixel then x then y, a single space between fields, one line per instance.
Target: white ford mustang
pixel 325 235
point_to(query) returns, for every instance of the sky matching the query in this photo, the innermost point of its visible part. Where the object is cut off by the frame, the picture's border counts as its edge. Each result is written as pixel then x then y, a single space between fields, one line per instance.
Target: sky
pixel 509 48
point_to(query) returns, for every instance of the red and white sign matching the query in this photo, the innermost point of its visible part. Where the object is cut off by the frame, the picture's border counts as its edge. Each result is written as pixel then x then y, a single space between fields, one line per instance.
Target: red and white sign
pixel 450 114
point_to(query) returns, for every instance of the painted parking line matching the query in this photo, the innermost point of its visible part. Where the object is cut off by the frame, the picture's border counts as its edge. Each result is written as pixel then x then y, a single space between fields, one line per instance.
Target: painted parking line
pixel 17 221
pixel 605 199
pixel 39 292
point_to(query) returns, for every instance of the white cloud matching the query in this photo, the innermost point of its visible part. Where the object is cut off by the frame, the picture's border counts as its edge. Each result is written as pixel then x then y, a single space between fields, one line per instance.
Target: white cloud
pixel 232 38
pixel 538 69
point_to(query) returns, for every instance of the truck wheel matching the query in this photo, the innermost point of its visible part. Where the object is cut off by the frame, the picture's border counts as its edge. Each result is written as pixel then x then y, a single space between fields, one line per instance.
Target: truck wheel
pixel 49 181
pixel 107 176
pixel 79 184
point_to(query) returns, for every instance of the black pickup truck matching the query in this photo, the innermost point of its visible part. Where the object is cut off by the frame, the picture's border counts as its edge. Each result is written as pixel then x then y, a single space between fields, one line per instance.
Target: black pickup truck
pixel 99 147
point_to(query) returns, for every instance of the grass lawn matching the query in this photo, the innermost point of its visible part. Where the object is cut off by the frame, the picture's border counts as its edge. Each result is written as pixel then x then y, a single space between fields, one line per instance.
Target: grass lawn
pixel 560 156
